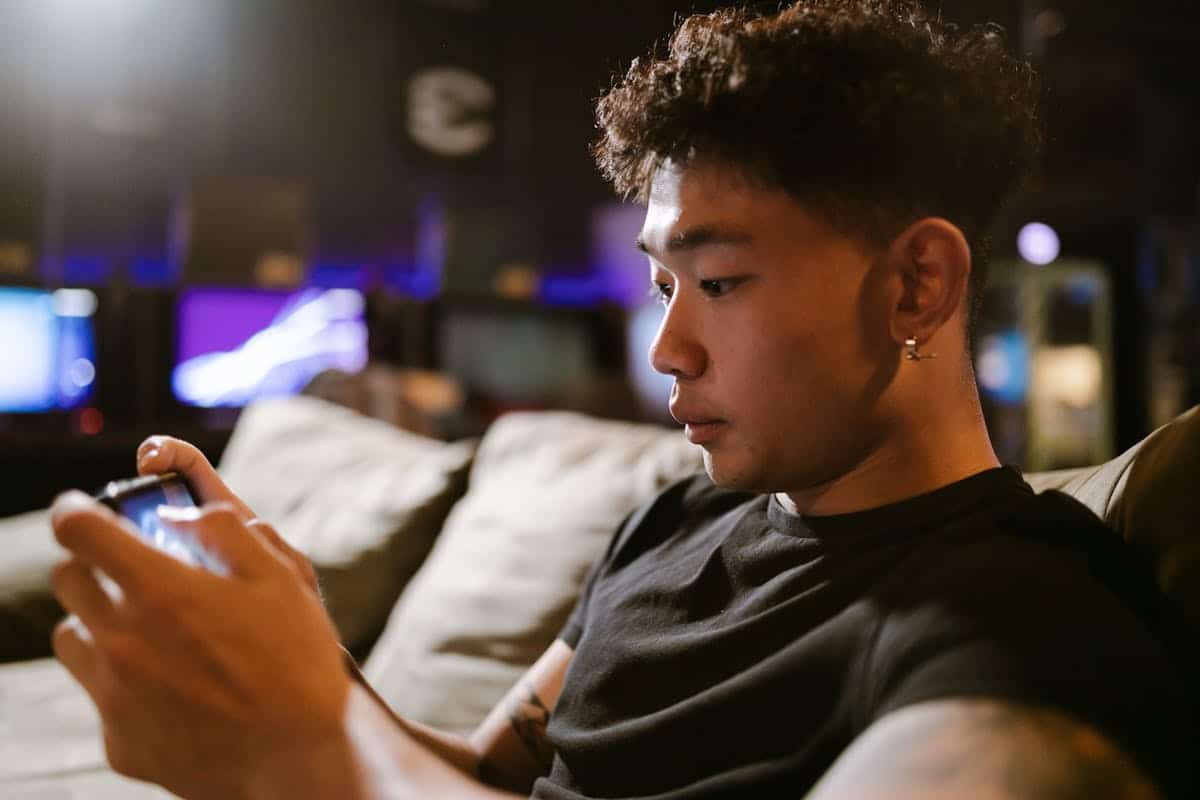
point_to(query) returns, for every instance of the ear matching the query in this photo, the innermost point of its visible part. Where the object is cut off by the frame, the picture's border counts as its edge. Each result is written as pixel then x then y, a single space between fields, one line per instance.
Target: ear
pixel 933 262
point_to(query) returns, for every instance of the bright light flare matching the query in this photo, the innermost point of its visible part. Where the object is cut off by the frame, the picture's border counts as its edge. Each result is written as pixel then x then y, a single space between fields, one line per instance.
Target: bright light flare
pixel 1038 243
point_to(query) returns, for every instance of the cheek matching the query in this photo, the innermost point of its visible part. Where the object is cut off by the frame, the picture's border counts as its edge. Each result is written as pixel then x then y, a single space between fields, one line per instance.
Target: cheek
pixel 785 370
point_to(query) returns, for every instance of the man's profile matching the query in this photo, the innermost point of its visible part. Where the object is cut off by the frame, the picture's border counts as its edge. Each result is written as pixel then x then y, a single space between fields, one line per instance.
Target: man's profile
pixel 855 600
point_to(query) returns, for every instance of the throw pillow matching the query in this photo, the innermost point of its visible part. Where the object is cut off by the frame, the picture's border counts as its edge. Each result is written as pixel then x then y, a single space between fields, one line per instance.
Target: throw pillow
pixel 547 491
pixel 361 498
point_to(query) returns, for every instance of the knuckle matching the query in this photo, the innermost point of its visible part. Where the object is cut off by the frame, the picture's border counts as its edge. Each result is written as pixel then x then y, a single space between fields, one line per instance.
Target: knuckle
pixel 60 575
pixel 219 514
pixel 62 636
pixel 74 525
pixel 69 528
pixel 272 535
pixel 123 652
pixel 188 456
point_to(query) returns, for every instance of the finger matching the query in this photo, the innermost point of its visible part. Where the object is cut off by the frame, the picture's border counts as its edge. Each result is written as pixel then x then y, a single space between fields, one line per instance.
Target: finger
pixel 99 537
pixel 74 648
pixel 220 531
pixel 294 556
pixel 80 593
pixel 159 454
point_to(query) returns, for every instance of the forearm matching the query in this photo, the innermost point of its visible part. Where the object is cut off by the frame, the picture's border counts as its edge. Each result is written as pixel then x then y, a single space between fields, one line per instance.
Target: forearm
pixel 391 761
pixel 454 750
pixel 369 757
pixel 508 751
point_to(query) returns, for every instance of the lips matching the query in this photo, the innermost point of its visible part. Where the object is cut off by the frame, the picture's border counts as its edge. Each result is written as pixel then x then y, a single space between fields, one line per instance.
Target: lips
pixel 686 417
pixel 698 427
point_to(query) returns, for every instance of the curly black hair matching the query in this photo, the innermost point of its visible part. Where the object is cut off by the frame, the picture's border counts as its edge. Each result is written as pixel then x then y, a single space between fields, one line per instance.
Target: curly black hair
pixel 871 113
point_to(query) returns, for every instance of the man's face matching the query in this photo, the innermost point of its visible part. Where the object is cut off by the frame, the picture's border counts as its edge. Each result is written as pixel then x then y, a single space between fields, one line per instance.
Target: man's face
pixel 774 330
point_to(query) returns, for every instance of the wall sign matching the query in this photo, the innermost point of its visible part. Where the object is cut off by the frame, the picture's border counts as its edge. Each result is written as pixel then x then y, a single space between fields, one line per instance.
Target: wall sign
pixel 450 111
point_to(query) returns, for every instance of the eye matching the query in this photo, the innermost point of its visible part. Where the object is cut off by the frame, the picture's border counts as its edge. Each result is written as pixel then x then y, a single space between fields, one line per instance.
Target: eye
pixel 661 291
pixel 718 287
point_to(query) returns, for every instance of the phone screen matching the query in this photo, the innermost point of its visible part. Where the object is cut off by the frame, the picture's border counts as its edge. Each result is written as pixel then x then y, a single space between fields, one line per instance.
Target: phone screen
pixel 141 507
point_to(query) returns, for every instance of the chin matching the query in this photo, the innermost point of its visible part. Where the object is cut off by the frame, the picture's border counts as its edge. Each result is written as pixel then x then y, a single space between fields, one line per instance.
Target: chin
pixel 735 477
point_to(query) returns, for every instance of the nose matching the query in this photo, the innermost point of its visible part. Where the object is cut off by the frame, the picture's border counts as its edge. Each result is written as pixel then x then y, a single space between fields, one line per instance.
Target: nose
pixel 677 350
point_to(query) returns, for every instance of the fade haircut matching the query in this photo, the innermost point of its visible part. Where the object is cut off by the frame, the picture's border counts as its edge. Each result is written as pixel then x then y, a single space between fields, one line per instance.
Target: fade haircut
pixel 870 113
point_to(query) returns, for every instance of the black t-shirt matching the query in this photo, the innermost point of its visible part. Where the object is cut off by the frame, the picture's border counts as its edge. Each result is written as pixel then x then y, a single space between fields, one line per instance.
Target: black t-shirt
pixel 727 648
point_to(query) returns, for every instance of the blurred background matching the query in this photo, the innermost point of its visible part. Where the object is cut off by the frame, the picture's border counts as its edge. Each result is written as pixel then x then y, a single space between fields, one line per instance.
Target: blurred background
pixel 391 205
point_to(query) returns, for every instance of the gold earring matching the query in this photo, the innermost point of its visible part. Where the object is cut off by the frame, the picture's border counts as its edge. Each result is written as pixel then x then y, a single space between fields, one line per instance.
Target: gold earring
pixel 911 351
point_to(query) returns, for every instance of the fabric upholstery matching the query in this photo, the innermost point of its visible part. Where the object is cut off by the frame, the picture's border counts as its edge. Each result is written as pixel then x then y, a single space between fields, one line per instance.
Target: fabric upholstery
pixel 361 498
pixel 1150 494
pixel 50 744
pixel 28 610
pixel 546 493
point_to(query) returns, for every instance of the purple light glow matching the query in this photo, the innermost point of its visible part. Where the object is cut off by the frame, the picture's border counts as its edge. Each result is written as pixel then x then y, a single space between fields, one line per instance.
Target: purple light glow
pixel 1038 243
pixel 218 320
pixel 248 344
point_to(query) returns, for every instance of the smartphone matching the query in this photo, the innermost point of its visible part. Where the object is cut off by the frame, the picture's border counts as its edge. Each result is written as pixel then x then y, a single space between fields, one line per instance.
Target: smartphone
pixel 138 499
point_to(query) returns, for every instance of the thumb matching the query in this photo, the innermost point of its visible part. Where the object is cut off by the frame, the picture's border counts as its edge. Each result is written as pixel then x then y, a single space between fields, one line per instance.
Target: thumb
pixel 159 454
pixel 220 541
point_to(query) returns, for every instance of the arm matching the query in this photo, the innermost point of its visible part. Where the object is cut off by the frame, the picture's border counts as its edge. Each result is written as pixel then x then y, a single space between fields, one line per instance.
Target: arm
pixel 987 749
pixel 509 749
pixel 179 648
pixel 268 708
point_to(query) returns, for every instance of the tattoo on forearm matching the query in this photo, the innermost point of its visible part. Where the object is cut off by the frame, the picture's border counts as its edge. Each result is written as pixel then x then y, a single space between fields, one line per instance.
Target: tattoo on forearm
pixel 529 717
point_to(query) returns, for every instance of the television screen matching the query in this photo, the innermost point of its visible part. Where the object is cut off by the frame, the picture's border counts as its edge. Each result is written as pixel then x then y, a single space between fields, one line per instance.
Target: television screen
pixel 515 358
pixel 47 349
pixel 237 345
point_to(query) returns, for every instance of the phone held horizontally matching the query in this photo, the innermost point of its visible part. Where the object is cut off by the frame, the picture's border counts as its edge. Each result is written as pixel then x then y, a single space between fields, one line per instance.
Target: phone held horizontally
pixel 138 500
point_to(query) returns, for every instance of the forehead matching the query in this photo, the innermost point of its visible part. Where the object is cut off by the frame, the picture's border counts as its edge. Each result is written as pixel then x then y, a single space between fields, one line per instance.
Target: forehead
pixel 703 195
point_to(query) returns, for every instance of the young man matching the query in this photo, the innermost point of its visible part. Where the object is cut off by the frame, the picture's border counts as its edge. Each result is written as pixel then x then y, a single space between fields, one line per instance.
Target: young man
pixel 856 600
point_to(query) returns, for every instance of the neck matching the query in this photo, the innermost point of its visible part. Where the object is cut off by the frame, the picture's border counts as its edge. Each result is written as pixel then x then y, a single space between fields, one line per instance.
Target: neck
pixel 942 444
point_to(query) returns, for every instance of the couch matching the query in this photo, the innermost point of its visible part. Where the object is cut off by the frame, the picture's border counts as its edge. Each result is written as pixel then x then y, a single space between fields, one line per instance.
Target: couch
pixel 448 568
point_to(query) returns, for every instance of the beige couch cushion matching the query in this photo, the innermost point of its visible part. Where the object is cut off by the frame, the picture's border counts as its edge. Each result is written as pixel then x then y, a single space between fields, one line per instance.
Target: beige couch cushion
pixel 546 493
pixel 361 498
pixel 28 611
pixel 50 744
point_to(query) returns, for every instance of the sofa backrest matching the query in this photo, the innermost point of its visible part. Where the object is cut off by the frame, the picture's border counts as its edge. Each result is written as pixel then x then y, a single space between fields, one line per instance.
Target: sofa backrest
pixel 1150 494
pixel 547 490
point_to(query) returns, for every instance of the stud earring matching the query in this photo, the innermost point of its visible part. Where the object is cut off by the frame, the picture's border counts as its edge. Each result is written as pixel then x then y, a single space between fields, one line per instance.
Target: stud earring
pixel 911 351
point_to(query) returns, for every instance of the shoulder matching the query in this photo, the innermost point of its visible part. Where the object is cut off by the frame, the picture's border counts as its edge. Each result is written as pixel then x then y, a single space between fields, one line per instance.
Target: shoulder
pixel 1013 535
pixel 1028 570
pixel 1033 601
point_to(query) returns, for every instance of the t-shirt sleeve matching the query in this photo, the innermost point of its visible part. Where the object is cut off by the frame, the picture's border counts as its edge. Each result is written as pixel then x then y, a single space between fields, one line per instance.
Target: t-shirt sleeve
pixel 573 629
pixel 1026 622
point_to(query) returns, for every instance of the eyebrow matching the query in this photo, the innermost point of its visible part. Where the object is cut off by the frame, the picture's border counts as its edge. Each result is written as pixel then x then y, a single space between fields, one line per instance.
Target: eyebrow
pixel 699 236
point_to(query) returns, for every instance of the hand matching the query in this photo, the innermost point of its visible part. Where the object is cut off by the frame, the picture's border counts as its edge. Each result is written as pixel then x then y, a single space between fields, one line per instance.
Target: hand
pixel 159 454
pixel 211 686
